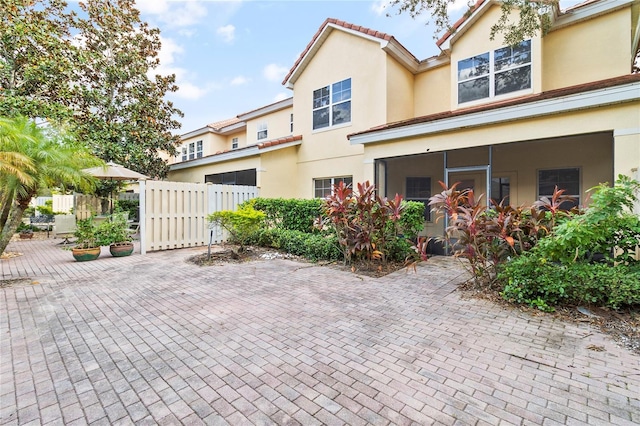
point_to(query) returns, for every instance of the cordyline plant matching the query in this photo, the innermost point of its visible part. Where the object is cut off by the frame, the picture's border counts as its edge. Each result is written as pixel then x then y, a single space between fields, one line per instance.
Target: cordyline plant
pixel 360 220
pixel 487 237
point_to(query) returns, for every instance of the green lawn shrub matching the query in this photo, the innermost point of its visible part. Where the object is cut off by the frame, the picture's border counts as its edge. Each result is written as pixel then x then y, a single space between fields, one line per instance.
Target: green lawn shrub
pixel 533 280
pixel 314 247
pixel 291 214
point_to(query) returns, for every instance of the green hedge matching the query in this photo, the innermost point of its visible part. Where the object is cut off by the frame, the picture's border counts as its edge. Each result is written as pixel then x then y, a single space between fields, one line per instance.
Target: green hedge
pixel 314 247
pixel 535 281
pixel 291 214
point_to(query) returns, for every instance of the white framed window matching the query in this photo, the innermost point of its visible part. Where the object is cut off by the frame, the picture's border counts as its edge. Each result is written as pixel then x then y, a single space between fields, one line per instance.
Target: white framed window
pixel 199 149
pixel 184 153
pixel 262 131
pixel 498 72
pixel 332 105
pixel 291 123
pixel 192 150
pixel 234 143
pixel 567 179
pixel 419 189
pixel 323 188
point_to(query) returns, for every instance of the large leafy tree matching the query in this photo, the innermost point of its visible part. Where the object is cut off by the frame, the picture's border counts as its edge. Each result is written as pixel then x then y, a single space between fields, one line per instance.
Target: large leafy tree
pixel 33 159
pixel 96 70
pixel 121 111
pixel 36 59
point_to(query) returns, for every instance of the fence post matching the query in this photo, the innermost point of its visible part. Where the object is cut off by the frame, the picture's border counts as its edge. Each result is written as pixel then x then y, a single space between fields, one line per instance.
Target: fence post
pixel 142 220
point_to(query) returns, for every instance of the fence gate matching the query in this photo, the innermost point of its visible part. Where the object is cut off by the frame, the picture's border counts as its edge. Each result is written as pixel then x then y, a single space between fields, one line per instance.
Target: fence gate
pixel 174 214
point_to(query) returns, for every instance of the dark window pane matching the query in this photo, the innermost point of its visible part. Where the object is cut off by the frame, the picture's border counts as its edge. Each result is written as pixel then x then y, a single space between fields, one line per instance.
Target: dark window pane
pixel 473 67
pixel 342 113
pixel 321 118
pixel 513 80
pixel 473 89
pixel 500 189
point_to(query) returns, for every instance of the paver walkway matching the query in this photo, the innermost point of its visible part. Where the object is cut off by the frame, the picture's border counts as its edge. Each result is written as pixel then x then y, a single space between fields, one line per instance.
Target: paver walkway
pixel 154 340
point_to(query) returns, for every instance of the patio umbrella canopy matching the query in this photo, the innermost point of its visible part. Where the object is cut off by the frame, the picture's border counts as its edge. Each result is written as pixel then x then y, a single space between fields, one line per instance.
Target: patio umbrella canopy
pixel 113 171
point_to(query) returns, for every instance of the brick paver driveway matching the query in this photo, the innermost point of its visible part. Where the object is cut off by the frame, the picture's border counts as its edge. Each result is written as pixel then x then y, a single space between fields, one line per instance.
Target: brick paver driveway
pixel 154 340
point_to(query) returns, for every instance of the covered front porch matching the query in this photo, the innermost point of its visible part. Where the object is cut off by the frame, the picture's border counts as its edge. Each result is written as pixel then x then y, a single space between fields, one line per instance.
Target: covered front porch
pixel 518 172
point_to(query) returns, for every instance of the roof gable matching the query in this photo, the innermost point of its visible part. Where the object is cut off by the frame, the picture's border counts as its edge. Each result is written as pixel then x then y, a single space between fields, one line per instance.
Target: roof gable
pixel 387 42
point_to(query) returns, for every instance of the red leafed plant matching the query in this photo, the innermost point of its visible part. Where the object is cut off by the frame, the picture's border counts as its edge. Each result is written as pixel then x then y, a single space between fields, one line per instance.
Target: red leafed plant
pixel 487 237
pixel 360 220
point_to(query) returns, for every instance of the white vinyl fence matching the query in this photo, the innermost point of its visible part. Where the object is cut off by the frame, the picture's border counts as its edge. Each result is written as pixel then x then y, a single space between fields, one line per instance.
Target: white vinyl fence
pixel 174 214
pixel 62 203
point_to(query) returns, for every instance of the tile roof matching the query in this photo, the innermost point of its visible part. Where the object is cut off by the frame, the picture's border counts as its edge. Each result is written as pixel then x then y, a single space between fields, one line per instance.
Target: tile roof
pixel 279 141
pixel 343 24
pixel 223 123
pixel 557 93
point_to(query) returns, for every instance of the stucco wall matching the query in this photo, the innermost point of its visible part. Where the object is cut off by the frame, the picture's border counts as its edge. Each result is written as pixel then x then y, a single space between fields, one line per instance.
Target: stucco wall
pixel 591 50
pixel 278 125
pixel 276 172
pixel 433 91
pixel 400 92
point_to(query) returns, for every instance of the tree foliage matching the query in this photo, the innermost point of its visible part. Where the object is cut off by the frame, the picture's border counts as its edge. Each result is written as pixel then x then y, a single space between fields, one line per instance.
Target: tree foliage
pixel 47 159
pixel 120 109
pixel 96 71
pixel 532 16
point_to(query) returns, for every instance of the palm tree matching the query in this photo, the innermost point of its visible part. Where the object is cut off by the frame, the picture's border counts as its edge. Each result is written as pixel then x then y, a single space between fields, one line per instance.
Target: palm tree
pixel 33 158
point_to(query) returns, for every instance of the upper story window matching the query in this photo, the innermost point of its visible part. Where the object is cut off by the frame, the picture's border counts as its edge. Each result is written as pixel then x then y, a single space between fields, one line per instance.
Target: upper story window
pixel 234 143
pixel 184 153
pixel 291 123
pixel 262 131
pixel 332 105
pixel 192 151
pixel 199 149
pixel 495 73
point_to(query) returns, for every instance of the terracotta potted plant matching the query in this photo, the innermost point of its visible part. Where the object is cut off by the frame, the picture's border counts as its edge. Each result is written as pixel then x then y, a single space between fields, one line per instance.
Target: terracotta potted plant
pixel 87 247
pixel 115 234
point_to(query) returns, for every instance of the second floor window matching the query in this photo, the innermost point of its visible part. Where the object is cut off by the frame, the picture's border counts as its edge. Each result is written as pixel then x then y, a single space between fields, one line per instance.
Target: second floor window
pixel 291 124
pixel 332 105
pixel 234 143
pixel 199 149
pixel 192 151
pixel 184 153
pixel 495 73
pixel 262 131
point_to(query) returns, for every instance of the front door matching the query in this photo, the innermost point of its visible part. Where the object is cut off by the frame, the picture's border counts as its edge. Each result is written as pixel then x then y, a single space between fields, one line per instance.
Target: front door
pixel 470 179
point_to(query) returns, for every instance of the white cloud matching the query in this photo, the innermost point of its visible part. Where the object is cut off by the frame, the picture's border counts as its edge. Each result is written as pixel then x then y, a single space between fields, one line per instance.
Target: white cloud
pixel 184 78
pixel 174 13
pixel 281 97
pixel 380 7
pixel 274 72
pixel 228 33
pixel 458 5
pixel 240 80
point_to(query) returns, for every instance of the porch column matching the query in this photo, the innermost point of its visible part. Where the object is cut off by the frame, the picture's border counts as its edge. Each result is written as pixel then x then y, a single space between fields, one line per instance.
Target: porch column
pixel 368 170
pixel 626 155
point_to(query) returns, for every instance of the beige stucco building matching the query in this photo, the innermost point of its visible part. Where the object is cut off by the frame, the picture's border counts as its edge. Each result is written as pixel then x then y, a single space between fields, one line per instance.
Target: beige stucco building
pixel 510 121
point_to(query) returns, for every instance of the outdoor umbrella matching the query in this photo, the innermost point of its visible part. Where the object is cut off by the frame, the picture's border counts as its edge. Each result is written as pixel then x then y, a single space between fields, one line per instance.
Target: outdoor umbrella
pixel 113 171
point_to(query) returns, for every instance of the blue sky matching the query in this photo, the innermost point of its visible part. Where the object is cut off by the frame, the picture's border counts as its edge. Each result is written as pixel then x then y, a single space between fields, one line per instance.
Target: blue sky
pixel 230 56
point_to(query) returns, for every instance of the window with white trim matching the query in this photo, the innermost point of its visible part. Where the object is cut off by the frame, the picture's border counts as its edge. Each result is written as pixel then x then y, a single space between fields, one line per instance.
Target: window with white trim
pixel 567 179
pixel 199 149
pixel 419 189
pixel 495 73
pixel 291 124
pixel 192 151
pixel 184 153
pixel 332 105
pixel 323 188
pixel 262 131
pixel 234 143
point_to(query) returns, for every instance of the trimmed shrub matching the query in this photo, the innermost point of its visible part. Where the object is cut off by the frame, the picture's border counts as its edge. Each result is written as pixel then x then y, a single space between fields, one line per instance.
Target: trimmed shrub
pixel 314 247
pixel 533 280
pixel 291 214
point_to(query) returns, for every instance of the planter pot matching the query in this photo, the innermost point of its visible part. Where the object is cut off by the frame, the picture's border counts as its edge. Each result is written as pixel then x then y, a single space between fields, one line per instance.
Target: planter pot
pixel 82 255
pixel 26 235
pixel 120 250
